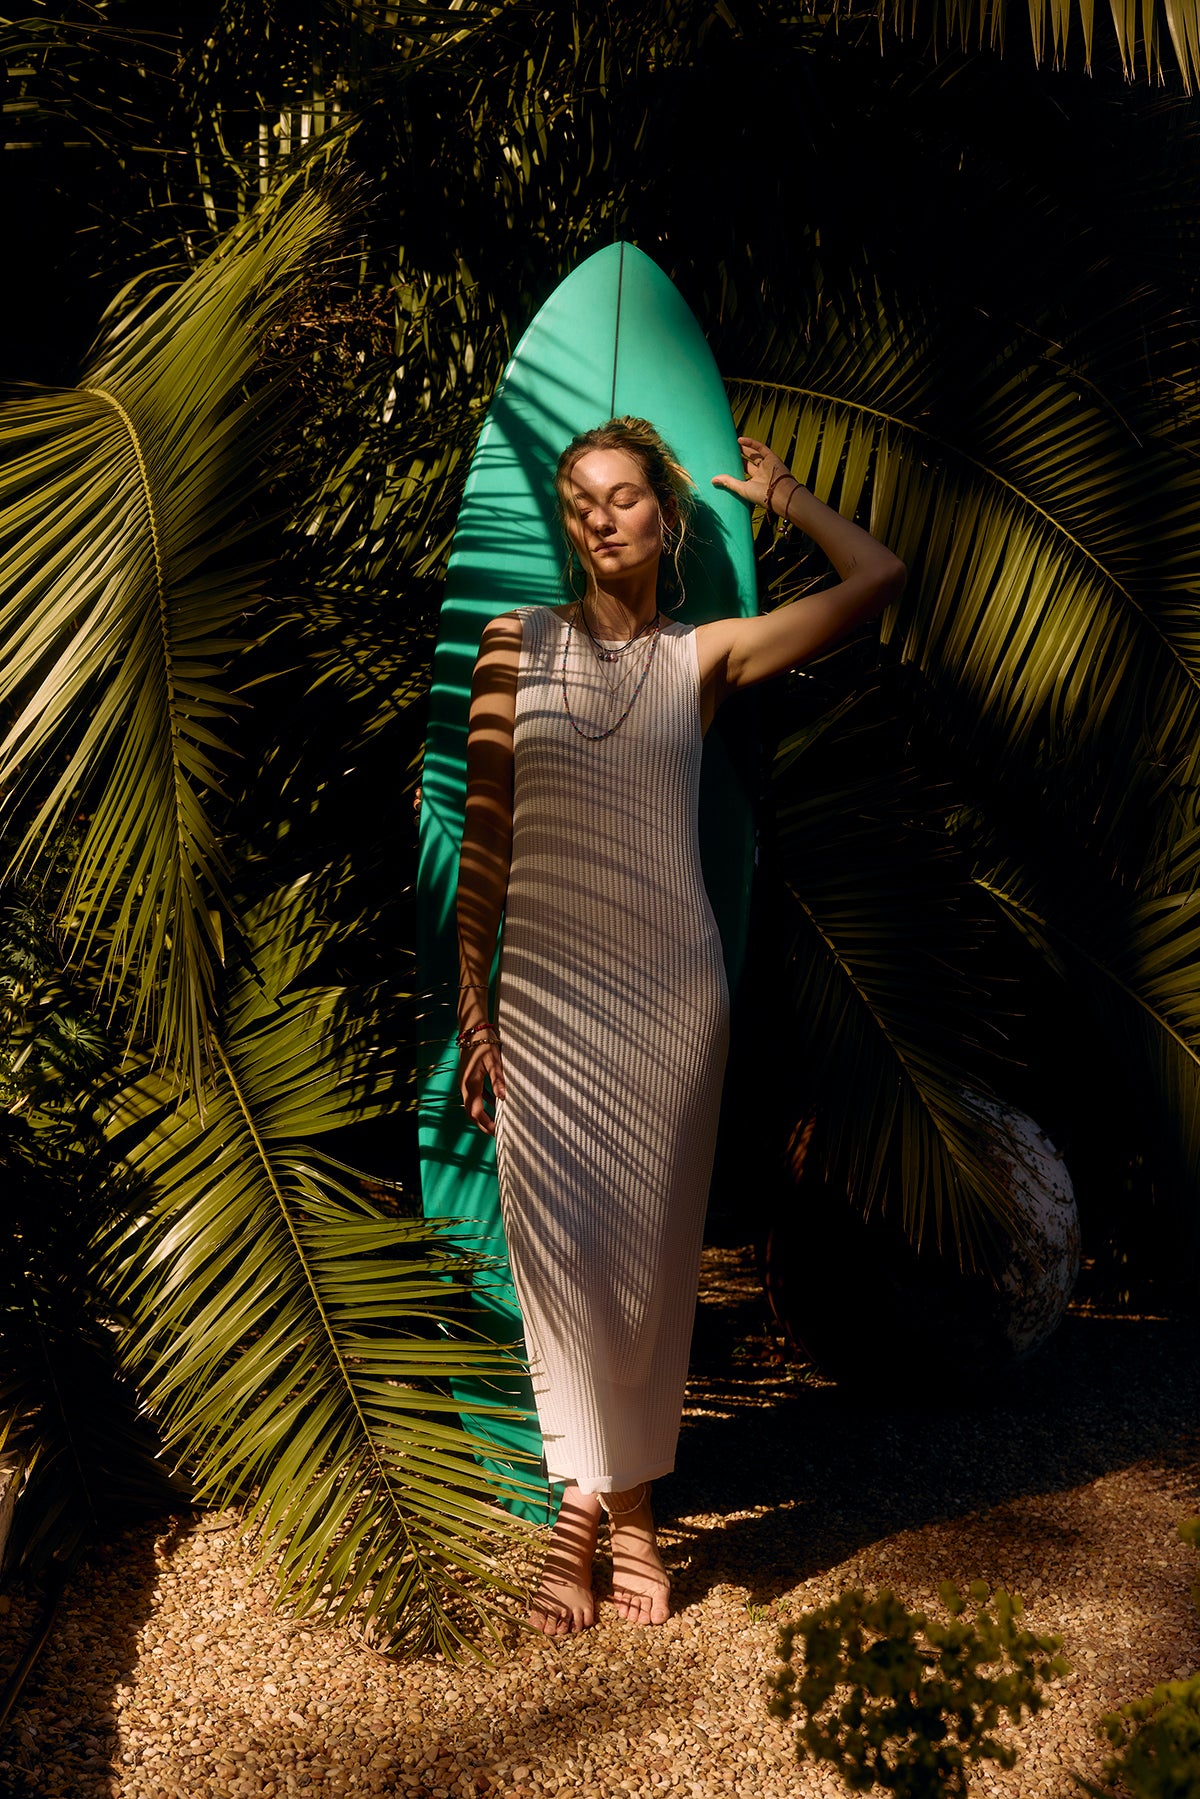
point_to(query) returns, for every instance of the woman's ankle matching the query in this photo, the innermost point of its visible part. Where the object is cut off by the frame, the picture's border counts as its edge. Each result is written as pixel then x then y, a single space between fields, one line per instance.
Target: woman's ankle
pixel 628 1506
pixel 587 1503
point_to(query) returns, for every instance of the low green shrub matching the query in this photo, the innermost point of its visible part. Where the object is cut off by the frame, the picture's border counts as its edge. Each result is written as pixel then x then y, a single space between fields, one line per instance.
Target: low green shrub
pixel 1158 1745
pixel 899 1700
pixel 1157 1738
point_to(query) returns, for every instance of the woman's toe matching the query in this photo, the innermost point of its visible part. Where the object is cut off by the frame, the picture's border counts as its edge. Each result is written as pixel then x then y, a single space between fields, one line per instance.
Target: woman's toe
pixel 548 1617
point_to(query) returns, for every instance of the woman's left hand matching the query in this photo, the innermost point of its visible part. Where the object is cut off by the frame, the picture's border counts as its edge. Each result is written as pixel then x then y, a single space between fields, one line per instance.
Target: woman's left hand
pixel 762 468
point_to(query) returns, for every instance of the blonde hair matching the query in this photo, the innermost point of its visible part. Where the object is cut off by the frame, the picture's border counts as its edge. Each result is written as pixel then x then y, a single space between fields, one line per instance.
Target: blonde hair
pixel 666 477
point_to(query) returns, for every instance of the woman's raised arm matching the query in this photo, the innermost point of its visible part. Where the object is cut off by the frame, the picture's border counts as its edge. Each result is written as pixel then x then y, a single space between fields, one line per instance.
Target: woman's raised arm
pixel 737 652
pixel 486 850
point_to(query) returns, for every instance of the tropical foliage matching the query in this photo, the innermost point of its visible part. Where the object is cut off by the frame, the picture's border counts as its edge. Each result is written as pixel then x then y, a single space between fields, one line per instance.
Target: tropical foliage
pixel 362 1480
pixel 258 1296
pixel 1052 560
pixel 71 1414
pixel 225 543
pixel 126 502
pixel 1139 35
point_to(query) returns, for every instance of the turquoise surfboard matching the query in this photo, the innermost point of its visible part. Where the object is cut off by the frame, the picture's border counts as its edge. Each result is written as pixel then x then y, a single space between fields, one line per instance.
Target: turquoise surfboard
pixel 615 337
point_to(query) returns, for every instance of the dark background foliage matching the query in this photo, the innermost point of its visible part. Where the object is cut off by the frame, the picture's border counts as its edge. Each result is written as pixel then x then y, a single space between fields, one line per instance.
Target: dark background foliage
pixel 780 167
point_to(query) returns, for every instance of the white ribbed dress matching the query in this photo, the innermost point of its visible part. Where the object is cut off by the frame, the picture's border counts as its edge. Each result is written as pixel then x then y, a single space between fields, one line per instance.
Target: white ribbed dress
pixel 614 1012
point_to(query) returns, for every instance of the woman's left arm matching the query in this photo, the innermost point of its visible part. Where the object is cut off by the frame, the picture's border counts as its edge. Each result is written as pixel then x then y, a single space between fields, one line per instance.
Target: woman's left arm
pixel 740 651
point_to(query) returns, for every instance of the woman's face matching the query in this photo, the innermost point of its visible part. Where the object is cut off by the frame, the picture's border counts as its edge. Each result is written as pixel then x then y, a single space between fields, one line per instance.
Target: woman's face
pixel 616 525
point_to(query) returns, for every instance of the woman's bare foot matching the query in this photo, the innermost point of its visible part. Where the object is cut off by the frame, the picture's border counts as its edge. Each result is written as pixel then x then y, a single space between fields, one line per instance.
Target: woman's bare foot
pixel 641 1585
pixel 563 1602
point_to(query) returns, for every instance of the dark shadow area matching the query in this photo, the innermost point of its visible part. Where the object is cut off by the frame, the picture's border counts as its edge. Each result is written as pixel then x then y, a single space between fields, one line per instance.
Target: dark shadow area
pixel 61 1739
pixel 829 1475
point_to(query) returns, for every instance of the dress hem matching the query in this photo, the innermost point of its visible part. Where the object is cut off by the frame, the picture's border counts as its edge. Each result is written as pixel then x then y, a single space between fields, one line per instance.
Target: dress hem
pixel 612 1483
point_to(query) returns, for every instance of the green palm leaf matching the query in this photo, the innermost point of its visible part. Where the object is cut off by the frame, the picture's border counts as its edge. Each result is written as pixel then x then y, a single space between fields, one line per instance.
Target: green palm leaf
pixel 1051 552
pixel 891 1024
pixel 123 519
pixel 1138 29
pixel 1132 959
pixel 294 1342
pixel 1050 640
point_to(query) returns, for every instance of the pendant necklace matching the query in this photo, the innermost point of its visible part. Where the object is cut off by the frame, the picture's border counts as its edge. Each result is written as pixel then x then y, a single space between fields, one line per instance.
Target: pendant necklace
pixel 613 655
pixel 623 667
pixel 614 652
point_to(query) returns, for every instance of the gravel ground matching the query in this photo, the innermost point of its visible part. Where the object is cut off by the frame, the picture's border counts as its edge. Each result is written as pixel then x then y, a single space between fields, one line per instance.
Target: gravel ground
pixel 168 1676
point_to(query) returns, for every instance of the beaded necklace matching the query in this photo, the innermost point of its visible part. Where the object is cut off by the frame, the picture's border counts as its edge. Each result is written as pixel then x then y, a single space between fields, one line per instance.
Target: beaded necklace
pixel 598 736
pixel 617 651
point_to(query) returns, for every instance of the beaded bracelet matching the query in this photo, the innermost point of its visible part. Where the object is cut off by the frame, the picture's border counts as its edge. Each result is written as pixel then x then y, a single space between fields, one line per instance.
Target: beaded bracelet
pixel 772 484
pixel 779 475
pixel 474 1030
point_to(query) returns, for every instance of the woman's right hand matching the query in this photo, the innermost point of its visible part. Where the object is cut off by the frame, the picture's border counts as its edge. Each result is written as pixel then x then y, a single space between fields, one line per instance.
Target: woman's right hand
pixel 481 1065
pixel 762 470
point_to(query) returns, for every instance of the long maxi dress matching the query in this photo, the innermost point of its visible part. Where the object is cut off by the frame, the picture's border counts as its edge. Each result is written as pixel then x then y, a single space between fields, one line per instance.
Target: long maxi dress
pixel 614 1012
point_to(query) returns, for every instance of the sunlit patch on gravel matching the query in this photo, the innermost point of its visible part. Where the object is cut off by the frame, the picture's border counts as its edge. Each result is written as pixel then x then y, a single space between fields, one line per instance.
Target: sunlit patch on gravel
pixel 169 1676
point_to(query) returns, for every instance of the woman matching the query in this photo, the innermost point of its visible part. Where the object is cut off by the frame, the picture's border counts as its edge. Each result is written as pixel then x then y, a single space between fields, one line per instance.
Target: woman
pixel 606 1051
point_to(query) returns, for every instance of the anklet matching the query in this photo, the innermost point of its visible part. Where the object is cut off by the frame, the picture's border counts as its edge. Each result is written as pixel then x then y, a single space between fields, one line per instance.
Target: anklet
pixel 621 1511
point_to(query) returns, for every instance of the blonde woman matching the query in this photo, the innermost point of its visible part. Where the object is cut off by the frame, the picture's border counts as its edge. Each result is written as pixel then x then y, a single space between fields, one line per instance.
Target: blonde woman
pixel 605 1051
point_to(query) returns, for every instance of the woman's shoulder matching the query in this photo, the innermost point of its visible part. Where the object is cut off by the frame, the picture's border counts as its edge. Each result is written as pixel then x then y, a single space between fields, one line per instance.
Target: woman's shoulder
pixel 501 636
pixel 507 624
pixel 536 617
pixel 507 631
pixel 518 614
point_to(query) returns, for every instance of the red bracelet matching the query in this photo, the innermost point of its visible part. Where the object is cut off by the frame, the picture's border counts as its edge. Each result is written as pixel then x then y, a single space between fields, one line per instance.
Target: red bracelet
pixel 473 1030
pixel 776 478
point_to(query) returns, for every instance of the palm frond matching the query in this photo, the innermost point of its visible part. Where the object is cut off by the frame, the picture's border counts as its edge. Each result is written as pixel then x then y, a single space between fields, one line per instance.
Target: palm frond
pixel 125 507
pixel 892 1023
pixel 294 1342
pixel 1051 552
pixel 1138 31
pixel 1131 960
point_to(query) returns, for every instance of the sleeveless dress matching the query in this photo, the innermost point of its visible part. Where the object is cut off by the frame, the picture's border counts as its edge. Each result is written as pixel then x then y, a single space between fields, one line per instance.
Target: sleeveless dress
pixel 614 1012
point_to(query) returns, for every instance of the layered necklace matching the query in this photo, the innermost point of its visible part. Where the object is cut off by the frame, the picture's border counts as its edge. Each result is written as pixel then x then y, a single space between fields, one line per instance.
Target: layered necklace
pixel 607 653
